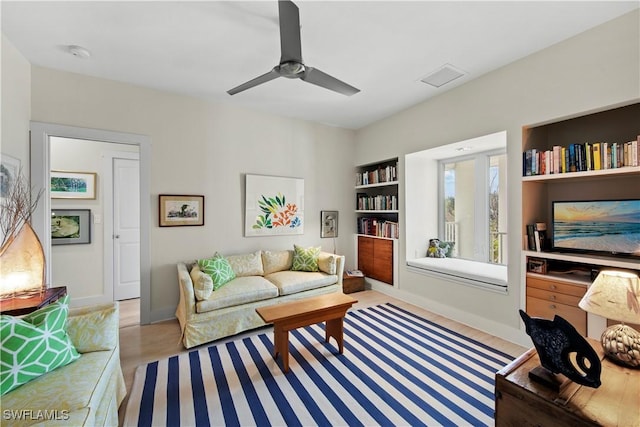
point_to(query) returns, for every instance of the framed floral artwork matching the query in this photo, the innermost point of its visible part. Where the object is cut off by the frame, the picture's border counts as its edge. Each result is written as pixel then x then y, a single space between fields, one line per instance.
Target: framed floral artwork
pixel 274 206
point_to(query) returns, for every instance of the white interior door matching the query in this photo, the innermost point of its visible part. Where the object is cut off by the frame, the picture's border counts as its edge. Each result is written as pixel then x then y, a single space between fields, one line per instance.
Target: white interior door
pixel 126 229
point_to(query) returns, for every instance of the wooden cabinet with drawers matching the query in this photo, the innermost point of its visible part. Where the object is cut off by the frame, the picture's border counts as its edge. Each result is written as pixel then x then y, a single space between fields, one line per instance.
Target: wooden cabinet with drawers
pixel 548 296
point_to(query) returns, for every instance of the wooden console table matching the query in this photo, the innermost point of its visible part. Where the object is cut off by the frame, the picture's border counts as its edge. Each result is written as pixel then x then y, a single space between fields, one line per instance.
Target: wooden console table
pixel 329 308
pixel 523 402
pixel 18 306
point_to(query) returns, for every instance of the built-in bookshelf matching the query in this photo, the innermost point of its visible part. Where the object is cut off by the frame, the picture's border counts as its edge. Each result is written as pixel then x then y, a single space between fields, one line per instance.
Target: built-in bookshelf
pixel 594 156
pixel 377 219
pixel 377 199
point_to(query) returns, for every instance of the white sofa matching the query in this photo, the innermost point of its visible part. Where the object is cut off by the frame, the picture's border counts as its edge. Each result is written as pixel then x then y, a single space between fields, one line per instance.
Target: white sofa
pixel 262 278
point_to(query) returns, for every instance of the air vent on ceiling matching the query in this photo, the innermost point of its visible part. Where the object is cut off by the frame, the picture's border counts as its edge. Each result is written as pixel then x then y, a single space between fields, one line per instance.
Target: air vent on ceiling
pixel 442 76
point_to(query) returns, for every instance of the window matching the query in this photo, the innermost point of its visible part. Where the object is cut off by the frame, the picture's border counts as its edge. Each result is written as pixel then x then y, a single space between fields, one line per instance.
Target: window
pixel 457 192
pixel 473 204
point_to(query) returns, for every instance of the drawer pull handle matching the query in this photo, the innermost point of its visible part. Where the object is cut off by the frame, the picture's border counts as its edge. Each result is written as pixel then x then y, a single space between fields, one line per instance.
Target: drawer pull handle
pixel 553 306
pixel 552 297
pixel 553 287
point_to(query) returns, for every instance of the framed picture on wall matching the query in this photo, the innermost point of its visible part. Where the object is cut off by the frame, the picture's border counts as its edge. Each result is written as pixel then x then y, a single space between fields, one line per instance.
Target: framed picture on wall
pixel 176 210
pixel 70 226
pixel 9 170
pixel 73 185
pixel 274 206
pixel 328 224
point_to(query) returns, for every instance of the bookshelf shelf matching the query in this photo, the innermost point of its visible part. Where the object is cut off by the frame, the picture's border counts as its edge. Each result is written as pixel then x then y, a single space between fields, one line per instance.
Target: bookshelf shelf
pixel 594 174
pixel 379 184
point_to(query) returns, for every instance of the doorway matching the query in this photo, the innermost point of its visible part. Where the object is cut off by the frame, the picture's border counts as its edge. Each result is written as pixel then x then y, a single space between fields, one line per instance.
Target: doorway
pixel 42 137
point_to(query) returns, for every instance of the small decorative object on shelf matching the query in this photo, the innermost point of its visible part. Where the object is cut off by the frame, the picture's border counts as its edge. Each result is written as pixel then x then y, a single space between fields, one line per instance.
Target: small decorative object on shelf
pixel 537 265
pixel 616 295
pixel 555 341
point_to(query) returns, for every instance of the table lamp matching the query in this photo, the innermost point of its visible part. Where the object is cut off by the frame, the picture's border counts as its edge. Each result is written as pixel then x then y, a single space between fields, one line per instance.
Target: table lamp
pixel 616 295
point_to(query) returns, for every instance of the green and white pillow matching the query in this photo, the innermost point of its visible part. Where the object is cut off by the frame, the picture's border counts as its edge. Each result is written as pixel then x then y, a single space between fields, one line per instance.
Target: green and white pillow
pixel 305 259
pixel 218 268
pixel 34 345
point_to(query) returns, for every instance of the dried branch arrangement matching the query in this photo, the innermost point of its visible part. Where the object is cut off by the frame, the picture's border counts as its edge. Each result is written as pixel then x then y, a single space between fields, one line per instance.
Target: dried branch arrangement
pixel 16 208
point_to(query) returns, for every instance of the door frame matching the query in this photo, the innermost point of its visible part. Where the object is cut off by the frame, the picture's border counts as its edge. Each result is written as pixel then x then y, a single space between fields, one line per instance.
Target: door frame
pixel 40 168
pixel 107 190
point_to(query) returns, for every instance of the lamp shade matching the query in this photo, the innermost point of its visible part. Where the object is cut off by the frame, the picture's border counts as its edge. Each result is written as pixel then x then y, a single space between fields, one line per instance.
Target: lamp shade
pixel 21 263
pixel 614 295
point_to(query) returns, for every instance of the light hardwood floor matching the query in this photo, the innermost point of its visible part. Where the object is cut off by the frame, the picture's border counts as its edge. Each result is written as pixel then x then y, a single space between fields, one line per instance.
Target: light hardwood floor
pixel 141 344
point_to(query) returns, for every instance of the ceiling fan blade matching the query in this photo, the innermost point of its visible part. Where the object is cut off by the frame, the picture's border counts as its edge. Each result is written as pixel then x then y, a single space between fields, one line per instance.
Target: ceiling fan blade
pixel 290 45
pixel 317 77
pixel 255 82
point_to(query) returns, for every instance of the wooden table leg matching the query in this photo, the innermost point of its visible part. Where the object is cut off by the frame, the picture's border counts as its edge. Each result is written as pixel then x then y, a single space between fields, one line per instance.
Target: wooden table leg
pixel 281 345
pixel 335 329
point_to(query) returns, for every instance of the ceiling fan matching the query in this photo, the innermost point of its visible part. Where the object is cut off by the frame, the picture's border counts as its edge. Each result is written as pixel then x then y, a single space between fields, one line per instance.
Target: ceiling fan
pixel 291 65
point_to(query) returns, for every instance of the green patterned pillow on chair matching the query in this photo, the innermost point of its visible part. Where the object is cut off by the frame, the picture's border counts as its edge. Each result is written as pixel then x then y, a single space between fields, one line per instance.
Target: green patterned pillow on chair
pixel 34 345
pixel 305 259
pixel 218 268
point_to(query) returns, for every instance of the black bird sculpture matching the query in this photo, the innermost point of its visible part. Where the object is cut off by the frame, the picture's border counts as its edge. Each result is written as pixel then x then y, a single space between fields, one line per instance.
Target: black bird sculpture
pixel 555 340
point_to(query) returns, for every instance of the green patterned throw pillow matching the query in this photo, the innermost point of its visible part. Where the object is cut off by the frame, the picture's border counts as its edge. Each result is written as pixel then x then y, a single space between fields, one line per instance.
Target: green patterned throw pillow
pixel 305 259
pixel 34 345
pixel 218 268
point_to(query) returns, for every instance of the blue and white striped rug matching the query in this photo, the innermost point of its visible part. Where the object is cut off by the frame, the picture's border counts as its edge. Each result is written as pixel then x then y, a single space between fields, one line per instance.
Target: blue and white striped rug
pixel 397 369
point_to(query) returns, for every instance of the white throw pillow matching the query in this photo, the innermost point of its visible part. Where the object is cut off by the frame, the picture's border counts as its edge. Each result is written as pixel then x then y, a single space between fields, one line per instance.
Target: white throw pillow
pixel 202 284
pixel 274 261
pixel 327 263
pixel 247 264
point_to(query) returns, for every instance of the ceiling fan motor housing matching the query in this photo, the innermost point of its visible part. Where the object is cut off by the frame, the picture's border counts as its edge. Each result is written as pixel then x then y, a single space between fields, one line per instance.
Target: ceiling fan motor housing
pixel 291 69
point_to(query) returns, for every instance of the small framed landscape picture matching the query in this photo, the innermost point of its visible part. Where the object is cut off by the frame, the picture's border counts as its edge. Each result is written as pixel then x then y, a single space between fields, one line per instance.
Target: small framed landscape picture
pixel 70 226
pixel 73 185
pixel 177 210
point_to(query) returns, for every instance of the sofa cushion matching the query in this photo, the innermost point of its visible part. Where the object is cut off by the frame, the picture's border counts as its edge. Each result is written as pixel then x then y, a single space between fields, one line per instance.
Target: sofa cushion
pixel 305 259
pixel 241 290
pixel 273 261
pixel 94 328
pixel 218 268
pixel 247 264
pixel 78 387
pixel 291 282
pixel 327 263
pixel 34 345
pixel 202 283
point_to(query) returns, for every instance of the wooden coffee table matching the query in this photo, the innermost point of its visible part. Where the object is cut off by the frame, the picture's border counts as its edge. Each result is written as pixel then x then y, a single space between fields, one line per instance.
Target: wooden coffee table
pixel 329 308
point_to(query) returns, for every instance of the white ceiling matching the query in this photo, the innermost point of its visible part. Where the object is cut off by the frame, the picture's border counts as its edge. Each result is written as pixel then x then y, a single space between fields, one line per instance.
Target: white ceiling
pixel 384 48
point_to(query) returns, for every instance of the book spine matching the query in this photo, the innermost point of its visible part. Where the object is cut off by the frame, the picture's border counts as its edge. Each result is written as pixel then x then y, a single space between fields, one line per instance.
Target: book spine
pixel 596 156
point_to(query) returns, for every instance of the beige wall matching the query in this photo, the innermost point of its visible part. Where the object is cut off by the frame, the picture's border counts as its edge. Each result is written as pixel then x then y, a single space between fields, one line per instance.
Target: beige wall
pixel 16 104
pixel 593 70
pixel 204 148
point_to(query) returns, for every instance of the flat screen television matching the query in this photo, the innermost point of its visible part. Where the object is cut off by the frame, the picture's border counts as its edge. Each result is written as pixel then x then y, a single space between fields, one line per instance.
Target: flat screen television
pixel 610 227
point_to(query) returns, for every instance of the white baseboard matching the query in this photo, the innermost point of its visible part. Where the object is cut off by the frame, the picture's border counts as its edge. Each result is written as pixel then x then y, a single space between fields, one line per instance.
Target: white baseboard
pixel 507 333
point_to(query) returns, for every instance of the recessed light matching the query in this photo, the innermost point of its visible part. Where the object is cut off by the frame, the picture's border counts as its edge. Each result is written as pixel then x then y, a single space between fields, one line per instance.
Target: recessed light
pixel 78 51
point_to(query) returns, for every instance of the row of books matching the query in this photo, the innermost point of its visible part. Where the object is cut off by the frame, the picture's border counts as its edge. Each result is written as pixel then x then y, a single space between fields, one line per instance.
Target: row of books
pixel 378 203
pixel 378 175
pixel 581 157
pixel 537 236
pixel 378 227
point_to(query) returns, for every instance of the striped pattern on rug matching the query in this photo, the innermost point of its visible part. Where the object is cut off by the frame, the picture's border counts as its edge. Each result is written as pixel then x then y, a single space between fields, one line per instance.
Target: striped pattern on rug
pixel 397 369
